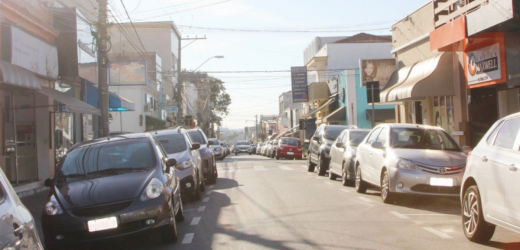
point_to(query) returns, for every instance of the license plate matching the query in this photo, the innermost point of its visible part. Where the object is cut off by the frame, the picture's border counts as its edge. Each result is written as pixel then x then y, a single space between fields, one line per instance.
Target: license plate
pixel 290 153
pixel 102 224
pixel 444 182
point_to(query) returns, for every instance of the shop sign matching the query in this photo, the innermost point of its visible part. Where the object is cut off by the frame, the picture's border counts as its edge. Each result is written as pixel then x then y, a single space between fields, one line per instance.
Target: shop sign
pixel 127 72
pixel 30 52
pixel 333 85
pixel 300 90
pixel 376 70
pixel 483 65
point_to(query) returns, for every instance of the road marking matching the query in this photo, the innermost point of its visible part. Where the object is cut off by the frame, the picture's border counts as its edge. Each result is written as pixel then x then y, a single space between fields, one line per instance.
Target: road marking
pixel 364 199
pixel 328 182
pixel 346 191
pixel 399 215
pixel 201 209
pixel 205 199
pixel 260 168
pixel 319 178
pixel 285 168
pixel 195 221
pixel 208 193
pixel 188 238
pixel 310 173
pixel 437 232
pixel 303 166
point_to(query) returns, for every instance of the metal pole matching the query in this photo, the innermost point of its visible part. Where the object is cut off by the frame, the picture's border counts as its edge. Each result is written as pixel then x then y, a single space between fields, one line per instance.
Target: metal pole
pixel 103 48
pixel 373 118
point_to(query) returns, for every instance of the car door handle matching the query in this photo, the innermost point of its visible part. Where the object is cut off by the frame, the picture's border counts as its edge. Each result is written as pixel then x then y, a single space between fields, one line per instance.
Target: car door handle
pixel 513 168
pixel 484 159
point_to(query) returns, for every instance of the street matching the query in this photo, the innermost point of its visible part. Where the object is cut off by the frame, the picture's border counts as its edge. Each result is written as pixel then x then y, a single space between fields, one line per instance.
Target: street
pixel 262 203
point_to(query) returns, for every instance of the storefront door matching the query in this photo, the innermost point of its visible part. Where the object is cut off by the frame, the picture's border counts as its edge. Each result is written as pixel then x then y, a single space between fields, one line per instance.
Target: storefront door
pixel 483 112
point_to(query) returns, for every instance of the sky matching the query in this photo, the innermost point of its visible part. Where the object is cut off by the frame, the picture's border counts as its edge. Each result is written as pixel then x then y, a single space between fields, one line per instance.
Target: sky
pixel 261 40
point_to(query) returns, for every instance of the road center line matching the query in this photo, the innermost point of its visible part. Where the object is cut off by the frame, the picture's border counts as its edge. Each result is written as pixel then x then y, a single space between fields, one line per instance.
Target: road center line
pixel 201 209
pixel 195 221
pixel 437 232
pixel 205 199
pixel 260 168
pixel 399 215
pixel 364 199
pixel 188 238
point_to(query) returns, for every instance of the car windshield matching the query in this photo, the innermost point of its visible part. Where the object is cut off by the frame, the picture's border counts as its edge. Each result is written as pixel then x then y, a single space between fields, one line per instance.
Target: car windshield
pixel 243 143
pixel 290 141
pixel 197 137
pixel 112 157
pixel 172 144
pixel 332 133
pixel 419 138
pixel 356 137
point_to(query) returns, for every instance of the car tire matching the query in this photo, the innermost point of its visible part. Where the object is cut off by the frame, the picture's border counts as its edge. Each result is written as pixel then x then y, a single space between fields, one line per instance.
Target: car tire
pixel 360 184
pixel 332 176
pixel 387 196
pixel 202 185
pixel 277 157
pixel 310 166
pixel 179 217
pixel 169 232
pixel 321 168
pixel 197 194
pixel 344 176
pixel 475 227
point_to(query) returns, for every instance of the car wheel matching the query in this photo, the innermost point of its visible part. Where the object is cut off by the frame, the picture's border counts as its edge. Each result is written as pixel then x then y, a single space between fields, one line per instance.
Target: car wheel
pixel 169 232
pixel 310 165
pixel 321 167
pixel 277 157
pixel 361 185
pixel 387 196
pixel 332 176
pixel 202 186
pixel 344 177
pixel 475 227
pixel 179 217
pixel 196 194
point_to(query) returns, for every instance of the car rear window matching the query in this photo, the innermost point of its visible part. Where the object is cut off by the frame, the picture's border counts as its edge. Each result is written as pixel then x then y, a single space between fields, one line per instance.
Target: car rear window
pixel 243 143
pixel 108 158
pixel 290 141
pixel 333 133
pixel 172 143
pixel 357 137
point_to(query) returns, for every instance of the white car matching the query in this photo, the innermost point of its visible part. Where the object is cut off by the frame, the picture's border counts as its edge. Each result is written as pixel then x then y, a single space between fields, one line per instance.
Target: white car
pixel 489 193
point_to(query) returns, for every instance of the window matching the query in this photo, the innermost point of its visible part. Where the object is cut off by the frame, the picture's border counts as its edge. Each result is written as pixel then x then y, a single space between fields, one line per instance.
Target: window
pixel 507 134
pixel 197 137
pixel 357 137
pixel 172 143
pixel 383 136
pixel 373 135
pixel 491 137
pixel 421 138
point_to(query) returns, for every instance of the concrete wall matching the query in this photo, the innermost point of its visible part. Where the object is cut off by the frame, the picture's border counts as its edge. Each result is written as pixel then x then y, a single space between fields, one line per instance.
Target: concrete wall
pixel 316 44
pixel 130 119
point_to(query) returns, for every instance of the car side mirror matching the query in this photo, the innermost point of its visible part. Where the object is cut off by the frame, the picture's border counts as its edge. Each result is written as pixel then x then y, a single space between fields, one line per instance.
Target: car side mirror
pixel 48 182
pixel 340 145
pixel 170 162
pixel 316 138
pixel 377 144
pixel 466 149
pixel 195 145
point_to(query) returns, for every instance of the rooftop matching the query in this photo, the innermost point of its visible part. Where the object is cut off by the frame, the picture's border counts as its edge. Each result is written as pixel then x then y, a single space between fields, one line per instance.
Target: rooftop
pixel 366 38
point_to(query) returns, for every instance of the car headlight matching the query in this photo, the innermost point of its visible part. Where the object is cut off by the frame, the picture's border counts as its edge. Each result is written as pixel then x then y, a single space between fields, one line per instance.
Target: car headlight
pixel 406 164
pixel 53 207
pixel 153 190
pixel 184 165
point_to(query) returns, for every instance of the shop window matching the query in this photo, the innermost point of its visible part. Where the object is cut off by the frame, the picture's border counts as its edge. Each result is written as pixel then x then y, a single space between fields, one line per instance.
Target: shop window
pixel 443 115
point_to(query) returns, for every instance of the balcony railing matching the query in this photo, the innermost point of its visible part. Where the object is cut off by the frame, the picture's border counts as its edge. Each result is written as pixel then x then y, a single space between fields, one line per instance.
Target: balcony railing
pixel 446 11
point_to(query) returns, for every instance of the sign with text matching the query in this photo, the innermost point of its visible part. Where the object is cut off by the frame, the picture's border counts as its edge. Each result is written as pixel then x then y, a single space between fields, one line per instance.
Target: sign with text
pixel 300 91
pixel 377 70
pixel 127 72
pixel 483 65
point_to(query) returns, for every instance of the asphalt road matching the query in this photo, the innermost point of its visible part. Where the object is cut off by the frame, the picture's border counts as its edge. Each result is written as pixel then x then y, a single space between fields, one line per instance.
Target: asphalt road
pixel 262 203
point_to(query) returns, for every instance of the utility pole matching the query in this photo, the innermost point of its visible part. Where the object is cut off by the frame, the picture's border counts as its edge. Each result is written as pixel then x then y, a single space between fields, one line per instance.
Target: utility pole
pixel 103 48
pixel 256 127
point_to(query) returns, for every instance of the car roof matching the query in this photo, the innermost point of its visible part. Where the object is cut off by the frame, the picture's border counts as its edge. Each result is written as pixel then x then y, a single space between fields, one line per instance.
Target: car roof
pixel 109 139
pixel 409 125
pixel 167 131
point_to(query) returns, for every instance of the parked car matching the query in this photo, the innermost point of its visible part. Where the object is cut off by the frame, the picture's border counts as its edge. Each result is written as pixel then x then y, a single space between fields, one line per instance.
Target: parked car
pixel 319 148
pixel 178 145
pixel 490 183
pixel 225 147
pixel 268 146
pixel 289 148
pixel 343 154
pixel 259 148
pixel 17 226
pixel 218 150
pixel 409 159
pixel 252 148
pixel 242 147
pixel 209 165
pixel 272 149
pixel 110 187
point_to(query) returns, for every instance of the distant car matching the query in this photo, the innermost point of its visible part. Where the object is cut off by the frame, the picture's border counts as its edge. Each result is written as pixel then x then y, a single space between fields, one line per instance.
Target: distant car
pixel 252 148
pixel 209 165
pixel 319 148
pixel 409 159
pixel 17 226
pixel 272 149
pixel 267 148
pixel 289 148
pixel 242 147
pixel 343 154
pixel 489 193
pixel 218 150
pixel 225 147
pixel 259 148
pixel 111 187
pixel 179 145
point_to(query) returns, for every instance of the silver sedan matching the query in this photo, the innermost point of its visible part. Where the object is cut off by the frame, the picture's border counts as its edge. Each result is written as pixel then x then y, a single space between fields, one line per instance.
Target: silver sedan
pixel 410 159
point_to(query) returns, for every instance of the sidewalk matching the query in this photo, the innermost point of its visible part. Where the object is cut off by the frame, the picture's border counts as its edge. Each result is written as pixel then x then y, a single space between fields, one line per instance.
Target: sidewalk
pixel 35 203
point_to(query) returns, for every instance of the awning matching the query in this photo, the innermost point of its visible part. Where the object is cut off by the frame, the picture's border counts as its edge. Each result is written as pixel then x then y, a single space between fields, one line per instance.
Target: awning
pixel 338 115
pixel 430 77
pixel 18 76
pixel 72 104
pixel 325 104
pixel 381 114
pixel 155 123
pixel 287 131
pixel 116 103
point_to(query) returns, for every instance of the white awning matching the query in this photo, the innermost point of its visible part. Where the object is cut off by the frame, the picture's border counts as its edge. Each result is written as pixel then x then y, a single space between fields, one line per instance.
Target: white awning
pixel 72 104
pixel 18 76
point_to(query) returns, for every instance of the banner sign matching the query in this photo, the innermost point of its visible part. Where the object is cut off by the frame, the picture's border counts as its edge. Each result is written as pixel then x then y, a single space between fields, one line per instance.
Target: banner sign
pixel 300 90
pixel 483 65
pixel 127 72
pixel 376 70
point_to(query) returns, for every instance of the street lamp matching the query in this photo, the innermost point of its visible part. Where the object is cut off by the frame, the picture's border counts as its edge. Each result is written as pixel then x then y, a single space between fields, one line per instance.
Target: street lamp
pixel 207 61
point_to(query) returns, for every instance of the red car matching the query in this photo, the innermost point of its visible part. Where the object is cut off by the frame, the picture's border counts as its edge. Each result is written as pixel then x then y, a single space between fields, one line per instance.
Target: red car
pixel 289 148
